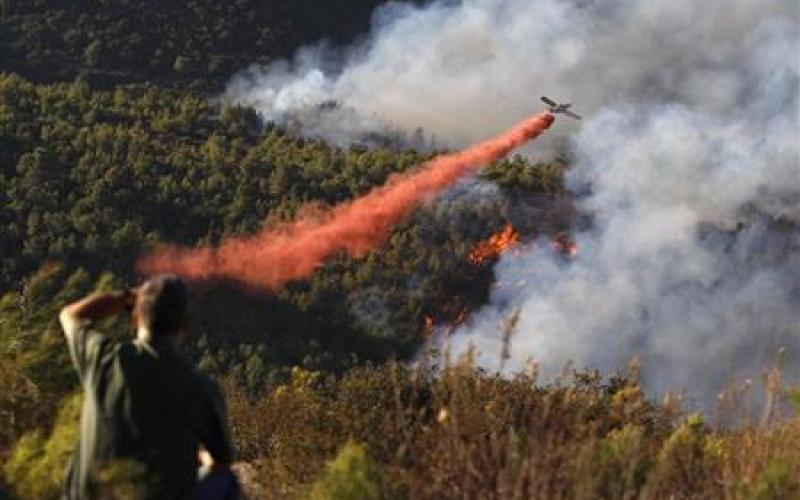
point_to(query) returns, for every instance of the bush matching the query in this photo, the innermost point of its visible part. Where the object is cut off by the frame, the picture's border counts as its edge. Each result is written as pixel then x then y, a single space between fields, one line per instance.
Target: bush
pixel 351 475
pixel 37 464
pixel 777 482
pixel 461 432
pixel 688 464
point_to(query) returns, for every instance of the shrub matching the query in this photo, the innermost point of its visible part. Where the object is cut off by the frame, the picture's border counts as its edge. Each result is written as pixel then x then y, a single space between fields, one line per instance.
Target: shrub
pixel 37 464
pixel 688 465
pixel 351 475
pixel 623 462
pixel 777 482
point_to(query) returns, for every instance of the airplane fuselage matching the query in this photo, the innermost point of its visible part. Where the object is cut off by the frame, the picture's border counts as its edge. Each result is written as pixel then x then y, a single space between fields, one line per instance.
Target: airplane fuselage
pixel 555 107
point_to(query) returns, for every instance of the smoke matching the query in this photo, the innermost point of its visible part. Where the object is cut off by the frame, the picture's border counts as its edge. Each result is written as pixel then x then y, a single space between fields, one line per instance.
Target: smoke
pixel 461 70
pixel 688 164
pixel 692 264
pixel 294 250
pixel 436 70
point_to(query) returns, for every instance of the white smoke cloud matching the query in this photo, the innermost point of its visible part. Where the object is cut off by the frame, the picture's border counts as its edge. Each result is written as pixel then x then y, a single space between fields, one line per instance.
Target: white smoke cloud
pixel 692 264
pixel 689 154
pixel 464 70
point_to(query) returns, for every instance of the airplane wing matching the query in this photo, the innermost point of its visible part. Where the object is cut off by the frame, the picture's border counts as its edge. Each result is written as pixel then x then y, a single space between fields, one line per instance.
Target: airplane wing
pixel 549 101
pixel 573 115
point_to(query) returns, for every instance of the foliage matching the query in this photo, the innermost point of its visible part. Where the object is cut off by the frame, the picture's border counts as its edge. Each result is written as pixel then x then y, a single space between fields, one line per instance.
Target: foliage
pixel 35 369
pixel 778 480
pixel 520 175
pixel 455 431
pixel 30 469
pixel 125 479
pixel 92 178
pixel 688 462
pixel 351 475
pixel 460 432
pixel 198 43
pixel 89 179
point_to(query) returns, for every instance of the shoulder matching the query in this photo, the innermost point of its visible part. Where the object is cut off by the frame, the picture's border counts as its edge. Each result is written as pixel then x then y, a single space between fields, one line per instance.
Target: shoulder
pixel 86 346
pixel 192 376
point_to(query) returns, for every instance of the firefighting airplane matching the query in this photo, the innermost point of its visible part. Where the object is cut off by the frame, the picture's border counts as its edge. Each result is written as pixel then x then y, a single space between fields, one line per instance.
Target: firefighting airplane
pixel 555 107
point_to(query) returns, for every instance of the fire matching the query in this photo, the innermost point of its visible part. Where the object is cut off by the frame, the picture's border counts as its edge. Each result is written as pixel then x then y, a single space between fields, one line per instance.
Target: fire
pixel 562 244
pixel 459 317
pixel 496 245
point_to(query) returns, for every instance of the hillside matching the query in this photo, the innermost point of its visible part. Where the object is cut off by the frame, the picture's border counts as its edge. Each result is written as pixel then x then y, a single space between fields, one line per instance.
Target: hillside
pixel 91 178
pixel 199 43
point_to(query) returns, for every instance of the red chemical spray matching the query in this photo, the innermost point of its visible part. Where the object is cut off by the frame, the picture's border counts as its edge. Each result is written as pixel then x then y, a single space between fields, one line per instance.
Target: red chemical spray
pixel 293 250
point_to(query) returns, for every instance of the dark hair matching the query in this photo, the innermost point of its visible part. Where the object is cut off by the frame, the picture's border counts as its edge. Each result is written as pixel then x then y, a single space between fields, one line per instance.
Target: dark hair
pixel 162 305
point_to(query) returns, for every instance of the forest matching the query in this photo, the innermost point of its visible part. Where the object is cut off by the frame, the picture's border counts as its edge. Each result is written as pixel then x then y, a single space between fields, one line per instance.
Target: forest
pixel 199 43
pixel 110 143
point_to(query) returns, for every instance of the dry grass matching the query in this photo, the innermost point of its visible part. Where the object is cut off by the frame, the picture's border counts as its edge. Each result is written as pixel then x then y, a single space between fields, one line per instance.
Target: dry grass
pixel 396 432
pixel 463 433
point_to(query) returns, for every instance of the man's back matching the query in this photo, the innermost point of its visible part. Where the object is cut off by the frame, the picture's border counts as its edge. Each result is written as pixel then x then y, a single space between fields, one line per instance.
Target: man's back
pixel 146 413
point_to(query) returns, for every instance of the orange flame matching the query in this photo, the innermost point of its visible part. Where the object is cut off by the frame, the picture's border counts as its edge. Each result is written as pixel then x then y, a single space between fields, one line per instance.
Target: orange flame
pixel 432 323
pixel 496 245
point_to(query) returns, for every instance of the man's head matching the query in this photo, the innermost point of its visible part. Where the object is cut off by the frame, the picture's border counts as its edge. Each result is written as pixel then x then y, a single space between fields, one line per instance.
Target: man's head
pixel 162 308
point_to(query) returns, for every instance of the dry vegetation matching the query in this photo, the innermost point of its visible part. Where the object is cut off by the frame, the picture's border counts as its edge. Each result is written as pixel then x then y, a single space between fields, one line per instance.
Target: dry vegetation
pixel 395 432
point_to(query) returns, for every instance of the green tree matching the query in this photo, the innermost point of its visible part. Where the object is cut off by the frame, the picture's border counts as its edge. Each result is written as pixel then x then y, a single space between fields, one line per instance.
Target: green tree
pixel 351 475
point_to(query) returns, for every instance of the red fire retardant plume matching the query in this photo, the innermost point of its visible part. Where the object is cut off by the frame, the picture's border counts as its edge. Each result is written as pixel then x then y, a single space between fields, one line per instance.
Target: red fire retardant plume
pixel 293 250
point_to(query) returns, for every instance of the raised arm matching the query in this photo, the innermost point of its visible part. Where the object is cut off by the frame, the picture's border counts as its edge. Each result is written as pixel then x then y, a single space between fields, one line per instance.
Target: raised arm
pixel 77 317
pixel 96 306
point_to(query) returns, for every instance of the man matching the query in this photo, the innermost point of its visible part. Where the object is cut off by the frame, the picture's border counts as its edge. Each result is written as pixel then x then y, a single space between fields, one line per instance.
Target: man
pixel 147 414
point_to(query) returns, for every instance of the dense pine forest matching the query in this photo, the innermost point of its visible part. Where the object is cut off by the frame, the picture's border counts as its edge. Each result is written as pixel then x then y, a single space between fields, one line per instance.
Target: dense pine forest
pixel 197 43
pixel 111 142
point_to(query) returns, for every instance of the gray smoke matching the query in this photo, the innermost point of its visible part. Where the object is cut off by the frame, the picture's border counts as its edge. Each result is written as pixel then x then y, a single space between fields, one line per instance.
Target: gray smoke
pixel 692 264
pixel 688 163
